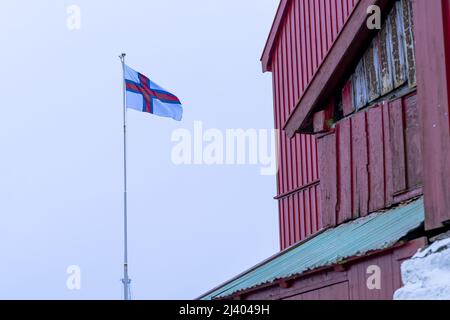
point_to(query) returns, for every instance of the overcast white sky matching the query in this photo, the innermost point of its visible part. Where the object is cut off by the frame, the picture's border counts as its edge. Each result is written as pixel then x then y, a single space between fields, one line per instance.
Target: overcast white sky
pixel 191 227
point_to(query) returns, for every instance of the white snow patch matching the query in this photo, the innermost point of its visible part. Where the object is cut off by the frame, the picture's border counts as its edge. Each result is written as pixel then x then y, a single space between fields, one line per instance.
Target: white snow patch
pixel 426 276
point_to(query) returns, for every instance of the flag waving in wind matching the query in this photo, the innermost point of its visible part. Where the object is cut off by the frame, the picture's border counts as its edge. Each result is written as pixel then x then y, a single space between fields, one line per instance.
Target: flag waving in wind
pixel 146 96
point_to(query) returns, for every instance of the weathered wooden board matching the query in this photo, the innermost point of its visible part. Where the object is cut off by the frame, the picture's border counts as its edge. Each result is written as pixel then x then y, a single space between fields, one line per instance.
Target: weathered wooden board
pixel 328 186
pixel 397 145
pixel 360 165
pixel 413 142
pixel 385 51
pixel 360 95
pixel 376 159
pixel 408 27
pixel 389 62
pixel 388 177
pixel 344 146
pixel 395 20
pixel 372 72
pixel 348 106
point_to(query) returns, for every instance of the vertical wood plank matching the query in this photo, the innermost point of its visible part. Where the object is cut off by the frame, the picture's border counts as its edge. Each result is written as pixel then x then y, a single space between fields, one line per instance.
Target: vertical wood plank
pixel 313 17
pixel 323 27
pixel 408 43
pixel 372 71
pixel 280 225
pixel 384 42
pixel 344 170
pixel 397 39
pixel 318 208
pixel 281 220
pixel 376 159
pixel 397 145
pixel 302 214
pixel 328 185
pixel 290 201
pixel 360 165
pixel 314 218
pixel 359 86
pixel 317 13
pixel 348 106
pixel 413 143
pixel 387 152
pixel 286 223
pixel 308 47
pixel 307 213
pixel 296 218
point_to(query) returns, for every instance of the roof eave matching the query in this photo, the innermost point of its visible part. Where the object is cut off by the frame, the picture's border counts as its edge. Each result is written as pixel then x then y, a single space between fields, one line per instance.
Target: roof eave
pixel 266 58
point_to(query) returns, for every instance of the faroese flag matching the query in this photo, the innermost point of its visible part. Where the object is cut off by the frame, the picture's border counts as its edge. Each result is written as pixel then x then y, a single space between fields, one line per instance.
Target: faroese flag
pixel 146 96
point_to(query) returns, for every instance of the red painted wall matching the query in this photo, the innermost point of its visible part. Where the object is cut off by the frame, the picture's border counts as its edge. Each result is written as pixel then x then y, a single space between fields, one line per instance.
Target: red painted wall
pixel 371 161
pixel 432 32
pixel 349 283
pixel 307 32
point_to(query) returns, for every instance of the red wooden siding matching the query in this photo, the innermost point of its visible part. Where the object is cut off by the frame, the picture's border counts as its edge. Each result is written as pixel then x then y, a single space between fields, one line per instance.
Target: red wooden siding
pixel 307 32
pixel 349 283
pixel 376 157
pixel 432 34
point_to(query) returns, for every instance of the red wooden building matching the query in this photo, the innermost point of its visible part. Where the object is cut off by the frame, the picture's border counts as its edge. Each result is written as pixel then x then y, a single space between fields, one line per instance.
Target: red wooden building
pixel 364 146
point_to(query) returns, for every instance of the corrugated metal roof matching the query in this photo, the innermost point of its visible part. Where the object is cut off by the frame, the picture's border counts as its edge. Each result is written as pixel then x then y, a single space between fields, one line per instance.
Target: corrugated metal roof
pixel 377 231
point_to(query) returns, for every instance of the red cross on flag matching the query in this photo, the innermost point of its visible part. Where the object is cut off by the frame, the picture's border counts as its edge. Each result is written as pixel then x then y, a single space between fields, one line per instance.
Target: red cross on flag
pixel 144 95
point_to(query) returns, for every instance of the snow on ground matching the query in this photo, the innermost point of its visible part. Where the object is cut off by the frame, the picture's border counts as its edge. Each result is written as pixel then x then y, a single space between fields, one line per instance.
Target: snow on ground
pixel 426 276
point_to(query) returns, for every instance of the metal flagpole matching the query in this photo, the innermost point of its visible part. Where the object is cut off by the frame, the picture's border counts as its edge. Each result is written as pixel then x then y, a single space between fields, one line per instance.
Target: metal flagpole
pixel 126 280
